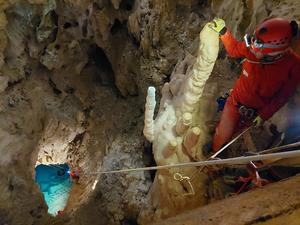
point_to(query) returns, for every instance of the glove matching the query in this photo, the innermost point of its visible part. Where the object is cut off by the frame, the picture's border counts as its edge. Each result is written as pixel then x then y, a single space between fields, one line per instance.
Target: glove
pixel 218 25
pixel 258 122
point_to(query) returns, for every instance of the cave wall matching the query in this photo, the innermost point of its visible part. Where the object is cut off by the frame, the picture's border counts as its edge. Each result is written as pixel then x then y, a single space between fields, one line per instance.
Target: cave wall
pixel 54 86
pixel 258 207
pixel 57 100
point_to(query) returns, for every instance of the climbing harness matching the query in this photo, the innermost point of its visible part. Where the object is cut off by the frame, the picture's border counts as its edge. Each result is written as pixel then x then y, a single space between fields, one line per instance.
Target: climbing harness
pixel 222 101
pixel 247 113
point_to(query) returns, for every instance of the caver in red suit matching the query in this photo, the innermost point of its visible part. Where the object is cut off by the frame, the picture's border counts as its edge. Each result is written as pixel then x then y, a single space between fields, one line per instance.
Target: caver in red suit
pixel 270 74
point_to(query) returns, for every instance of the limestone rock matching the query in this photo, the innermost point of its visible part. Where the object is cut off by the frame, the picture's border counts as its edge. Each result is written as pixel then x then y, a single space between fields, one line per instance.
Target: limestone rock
pixel 3 83
pixel 178 120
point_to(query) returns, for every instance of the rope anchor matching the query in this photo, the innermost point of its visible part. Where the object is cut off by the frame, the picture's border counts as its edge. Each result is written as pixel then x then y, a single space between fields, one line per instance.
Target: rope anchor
pixel 180 178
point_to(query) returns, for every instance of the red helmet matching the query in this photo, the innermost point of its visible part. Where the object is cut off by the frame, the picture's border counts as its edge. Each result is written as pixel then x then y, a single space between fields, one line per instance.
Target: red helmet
pixel 273 36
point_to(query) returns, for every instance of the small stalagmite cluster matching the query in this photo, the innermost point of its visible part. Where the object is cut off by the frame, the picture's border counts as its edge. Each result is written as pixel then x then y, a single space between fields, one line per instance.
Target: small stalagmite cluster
pixel 179 131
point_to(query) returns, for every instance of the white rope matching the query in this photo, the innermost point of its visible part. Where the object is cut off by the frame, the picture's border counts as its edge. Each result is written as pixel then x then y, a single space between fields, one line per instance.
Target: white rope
pixel 229 161
pixel 276 149
pixel 229 143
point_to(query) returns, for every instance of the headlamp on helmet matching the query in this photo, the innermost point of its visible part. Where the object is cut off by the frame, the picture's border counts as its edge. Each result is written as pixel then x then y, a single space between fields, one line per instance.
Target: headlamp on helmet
pixel 251 40
pixel 272 36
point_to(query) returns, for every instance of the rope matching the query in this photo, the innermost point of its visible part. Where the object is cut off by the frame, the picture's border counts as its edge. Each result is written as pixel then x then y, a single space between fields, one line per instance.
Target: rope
pixel 218 152
pixel 275 149
pixel 179 177
pixel 229 143
pixel 229 161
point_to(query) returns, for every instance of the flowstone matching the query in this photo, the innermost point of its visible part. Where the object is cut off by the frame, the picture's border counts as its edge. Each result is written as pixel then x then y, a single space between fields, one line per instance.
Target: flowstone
pixel 179 132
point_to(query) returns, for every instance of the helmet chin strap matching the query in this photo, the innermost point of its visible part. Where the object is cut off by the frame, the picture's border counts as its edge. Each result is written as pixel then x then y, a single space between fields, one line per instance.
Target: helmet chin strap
pixel 272 58
pixel 258 55
pixel 278 52
pixel 268 58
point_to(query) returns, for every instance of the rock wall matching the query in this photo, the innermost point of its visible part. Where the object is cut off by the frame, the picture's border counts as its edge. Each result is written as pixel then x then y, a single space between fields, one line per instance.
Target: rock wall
pixel 73 81
pixel 59 92
pixel 258 207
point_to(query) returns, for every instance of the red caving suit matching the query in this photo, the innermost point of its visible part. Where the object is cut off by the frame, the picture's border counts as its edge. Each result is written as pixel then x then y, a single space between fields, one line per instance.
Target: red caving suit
pixel 265 87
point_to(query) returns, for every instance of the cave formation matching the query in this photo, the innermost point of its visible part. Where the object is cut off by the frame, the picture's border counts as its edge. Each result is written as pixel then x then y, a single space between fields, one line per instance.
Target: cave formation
pixel 74 79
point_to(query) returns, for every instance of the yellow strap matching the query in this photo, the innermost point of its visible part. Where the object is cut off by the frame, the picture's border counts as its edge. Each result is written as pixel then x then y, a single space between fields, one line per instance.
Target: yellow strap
pixel 179 177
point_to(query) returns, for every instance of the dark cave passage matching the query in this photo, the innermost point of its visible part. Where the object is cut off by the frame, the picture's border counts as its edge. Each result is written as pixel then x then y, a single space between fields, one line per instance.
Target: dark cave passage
pixel 105 74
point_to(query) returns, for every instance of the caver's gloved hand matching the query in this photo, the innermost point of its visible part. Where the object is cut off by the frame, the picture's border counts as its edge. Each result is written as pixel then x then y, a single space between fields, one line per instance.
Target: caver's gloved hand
pixel 218 25
pixel 258 122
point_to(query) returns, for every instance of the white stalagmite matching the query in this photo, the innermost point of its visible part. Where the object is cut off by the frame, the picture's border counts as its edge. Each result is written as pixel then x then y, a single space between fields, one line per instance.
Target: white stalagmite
pixel 179 131
pixel 149 114
pixel 207 55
